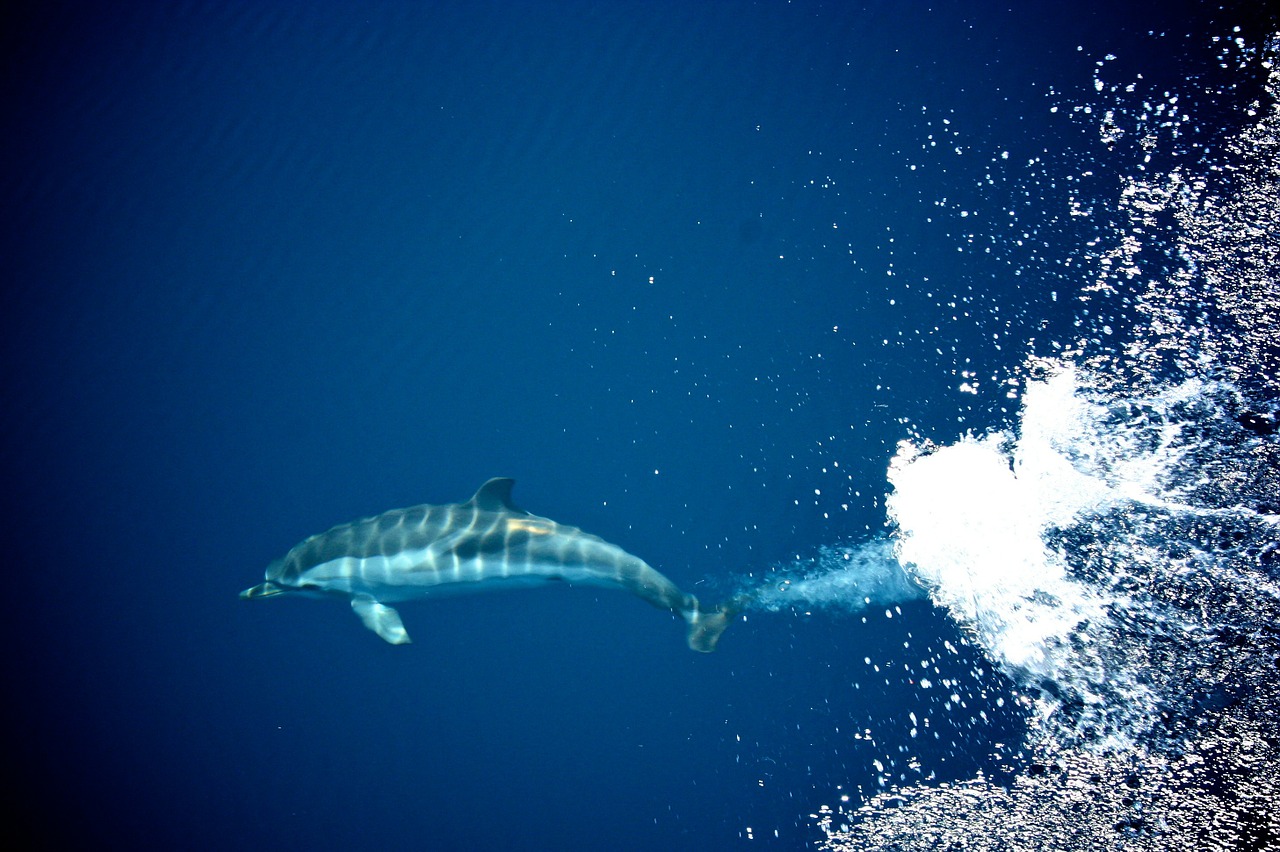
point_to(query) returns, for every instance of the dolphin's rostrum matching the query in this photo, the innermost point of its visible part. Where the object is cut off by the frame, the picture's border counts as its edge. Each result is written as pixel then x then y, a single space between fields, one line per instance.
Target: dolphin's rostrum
pixel 483 543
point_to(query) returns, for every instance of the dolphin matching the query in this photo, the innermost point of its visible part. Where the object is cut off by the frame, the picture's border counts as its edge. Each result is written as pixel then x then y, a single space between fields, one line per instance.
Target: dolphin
pixel 484 543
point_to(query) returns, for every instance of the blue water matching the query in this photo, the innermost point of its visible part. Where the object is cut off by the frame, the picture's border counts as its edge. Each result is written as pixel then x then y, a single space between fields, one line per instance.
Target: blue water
pixel 271 268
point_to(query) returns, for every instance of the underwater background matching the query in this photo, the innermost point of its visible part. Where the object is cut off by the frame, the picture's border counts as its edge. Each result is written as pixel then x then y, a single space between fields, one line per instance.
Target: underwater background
pixel 944 332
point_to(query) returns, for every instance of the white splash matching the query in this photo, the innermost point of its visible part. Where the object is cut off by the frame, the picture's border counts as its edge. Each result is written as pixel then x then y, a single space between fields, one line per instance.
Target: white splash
pixel 974 519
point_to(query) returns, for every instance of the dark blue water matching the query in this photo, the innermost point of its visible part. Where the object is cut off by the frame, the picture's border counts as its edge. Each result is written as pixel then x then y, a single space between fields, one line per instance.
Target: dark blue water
pixel 270 268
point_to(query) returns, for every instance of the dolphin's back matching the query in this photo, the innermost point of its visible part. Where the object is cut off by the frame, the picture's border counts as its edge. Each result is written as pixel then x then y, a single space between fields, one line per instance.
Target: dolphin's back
pixel 397 531
pixel 426 546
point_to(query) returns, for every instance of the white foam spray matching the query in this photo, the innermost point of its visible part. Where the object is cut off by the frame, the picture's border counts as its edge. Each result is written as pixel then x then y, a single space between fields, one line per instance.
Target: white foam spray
pixel 1116 549
pixel 983 524
pixel 972 517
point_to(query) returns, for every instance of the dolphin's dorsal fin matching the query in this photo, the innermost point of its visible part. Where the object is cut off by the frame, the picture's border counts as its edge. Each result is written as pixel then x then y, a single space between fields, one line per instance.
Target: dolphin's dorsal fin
pixel 495 496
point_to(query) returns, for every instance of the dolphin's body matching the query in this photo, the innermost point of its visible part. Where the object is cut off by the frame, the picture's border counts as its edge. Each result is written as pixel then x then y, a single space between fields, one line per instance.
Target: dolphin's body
pixel 483 543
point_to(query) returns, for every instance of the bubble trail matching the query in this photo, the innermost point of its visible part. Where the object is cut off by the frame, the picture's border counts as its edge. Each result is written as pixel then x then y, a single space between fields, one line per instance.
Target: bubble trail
pixel 848 577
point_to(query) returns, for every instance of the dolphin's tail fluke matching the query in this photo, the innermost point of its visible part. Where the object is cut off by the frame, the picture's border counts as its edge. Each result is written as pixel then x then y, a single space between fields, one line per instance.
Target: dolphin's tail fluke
pixel 705 626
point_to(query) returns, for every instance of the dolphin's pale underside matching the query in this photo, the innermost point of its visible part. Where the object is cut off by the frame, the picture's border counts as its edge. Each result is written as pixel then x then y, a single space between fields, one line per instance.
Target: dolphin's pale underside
pixel 484 543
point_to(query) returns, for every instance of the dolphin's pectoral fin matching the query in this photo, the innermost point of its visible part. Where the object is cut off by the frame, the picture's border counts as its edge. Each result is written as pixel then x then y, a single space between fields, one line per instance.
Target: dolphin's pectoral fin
pixel 381 619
